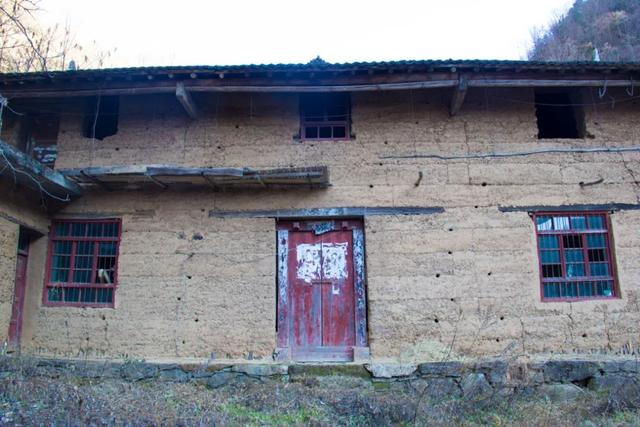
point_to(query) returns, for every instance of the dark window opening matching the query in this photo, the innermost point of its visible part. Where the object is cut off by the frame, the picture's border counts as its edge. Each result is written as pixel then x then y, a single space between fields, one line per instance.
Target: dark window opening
pixel 101 118
pixel 325 116
pixel 82 263
pixel 37 136
pixel 576 257
pixel 559 115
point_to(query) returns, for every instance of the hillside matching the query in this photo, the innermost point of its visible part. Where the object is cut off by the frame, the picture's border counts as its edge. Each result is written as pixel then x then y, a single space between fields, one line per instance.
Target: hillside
pixel 610 26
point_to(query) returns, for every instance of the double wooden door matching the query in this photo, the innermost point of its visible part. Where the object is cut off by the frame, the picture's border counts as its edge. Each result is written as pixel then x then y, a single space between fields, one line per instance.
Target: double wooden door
pixel 322 289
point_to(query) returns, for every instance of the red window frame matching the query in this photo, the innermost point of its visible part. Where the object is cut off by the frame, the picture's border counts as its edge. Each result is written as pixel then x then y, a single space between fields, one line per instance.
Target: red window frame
pixel 566 286
pixel 338 125
pixel 92 286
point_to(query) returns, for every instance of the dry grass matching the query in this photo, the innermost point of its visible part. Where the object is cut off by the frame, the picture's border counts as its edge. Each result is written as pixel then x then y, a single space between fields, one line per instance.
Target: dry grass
pixel 68 400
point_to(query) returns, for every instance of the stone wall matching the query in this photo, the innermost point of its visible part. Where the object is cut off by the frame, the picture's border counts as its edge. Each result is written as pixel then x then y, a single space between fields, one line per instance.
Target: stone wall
pixel 460 283
pixel 479 382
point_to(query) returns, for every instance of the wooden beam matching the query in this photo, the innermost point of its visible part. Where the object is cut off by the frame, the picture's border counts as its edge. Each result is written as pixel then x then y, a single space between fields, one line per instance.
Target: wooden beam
pixel 572 208
pixel 340 212
pixel 184 97
pixel 459 93
pixel 16 221
pixel 231 88
pixel 340 84
pixel 548 83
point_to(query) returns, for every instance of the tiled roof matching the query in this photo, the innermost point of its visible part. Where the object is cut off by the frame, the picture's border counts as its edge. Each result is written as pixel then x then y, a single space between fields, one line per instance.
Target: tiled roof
pixel 320 65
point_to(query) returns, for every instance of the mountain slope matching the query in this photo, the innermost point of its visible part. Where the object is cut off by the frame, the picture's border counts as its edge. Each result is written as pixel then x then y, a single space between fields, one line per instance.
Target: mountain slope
pixel 610 27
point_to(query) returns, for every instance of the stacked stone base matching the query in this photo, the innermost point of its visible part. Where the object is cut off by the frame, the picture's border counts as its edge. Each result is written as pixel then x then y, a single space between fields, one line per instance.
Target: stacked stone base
pixel 484 380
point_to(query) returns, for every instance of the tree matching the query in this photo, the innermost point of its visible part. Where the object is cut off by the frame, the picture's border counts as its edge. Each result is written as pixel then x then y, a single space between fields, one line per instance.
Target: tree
pixel 27 46
pixel 608 30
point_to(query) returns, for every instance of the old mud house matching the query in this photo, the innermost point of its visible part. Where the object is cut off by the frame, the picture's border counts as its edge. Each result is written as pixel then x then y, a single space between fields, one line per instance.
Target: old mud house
pixel 401 210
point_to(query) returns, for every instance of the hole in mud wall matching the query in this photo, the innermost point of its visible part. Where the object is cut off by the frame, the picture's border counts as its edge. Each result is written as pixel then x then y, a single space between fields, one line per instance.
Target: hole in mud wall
pixel 101 117
pixel 559 115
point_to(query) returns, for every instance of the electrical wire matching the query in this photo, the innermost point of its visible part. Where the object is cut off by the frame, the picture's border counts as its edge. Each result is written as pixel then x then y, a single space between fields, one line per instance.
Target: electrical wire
pixel 28 175
pixel 517 153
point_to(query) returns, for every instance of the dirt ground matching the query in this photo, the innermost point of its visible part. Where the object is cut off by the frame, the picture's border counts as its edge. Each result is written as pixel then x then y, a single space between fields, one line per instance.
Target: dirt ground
pixel 313 401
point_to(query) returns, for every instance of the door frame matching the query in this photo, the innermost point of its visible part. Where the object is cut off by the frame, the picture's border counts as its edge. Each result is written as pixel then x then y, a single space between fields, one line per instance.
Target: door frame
pixel 17 307
pixel 320 225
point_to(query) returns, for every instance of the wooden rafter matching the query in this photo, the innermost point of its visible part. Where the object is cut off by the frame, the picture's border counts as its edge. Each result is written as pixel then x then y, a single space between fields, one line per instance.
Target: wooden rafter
pixel 459 93
pixel 184 97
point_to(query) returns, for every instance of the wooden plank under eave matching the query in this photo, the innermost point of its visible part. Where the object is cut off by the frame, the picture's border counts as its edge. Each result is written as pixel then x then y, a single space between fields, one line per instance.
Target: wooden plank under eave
pixel 457 99
pixel 184 97
pixel 30 166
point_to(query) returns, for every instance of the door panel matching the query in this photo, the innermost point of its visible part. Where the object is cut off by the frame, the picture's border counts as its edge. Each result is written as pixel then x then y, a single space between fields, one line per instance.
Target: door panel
pixel 337 297
pixel 322 305
pixel 304 269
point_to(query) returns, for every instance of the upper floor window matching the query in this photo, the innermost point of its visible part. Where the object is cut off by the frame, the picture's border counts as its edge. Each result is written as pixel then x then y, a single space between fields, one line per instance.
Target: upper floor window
pixel 34 133
pixel 576 258
pixel 101 117
pixel 559 115
pixel 325 116
pixel 42 138
pixel 82 263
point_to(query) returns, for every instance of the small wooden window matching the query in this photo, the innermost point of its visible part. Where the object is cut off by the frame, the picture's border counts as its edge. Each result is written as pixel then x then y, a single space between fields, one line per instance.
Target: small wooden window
pixel 576 257
pixel 325 116
pixel 82 263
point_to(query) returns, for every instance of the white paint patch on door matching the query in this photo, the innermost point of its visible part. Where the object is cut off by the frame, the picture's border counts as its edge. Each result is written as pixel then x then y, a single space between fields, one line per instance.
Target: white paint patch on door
pixel 333 261
pixel 308 262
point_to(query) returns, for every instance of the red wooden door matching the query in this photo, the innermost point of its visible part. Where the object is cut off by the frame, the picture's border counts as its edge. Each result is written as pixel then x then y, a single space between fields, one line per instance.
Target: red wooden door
pixel 15 325
pixel 321 290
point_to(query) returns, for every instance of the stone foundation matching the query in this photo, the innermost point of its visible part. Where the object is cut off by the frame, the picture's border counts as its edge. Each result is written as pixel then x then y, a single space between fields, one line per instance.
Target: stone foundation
pixel 561 379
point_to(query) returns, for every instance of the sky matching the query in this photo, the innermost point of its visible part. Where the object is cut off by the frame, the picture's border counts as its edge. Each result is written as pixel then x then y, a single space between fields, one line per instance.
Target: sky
pixel 192 32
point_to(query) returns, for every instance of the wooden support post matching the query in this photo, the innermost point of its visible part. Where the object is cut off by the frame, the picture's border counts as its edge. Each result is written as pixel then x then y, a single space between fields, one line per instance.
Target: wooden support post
pixel 187 102
pixel 459 93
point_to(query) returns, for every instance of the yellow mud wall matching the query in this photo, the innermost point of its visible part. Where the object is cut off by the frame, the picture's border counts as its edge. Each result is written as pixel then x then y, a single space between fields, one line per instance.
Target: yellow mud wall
pixel 463 282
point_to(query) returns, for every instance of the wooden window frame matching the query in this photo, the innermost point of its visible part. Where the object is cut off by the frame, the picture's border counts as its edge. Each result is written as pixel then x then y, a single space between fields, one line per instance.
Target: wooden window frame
pixel 325 121
pixel 563 280
pixel 53 238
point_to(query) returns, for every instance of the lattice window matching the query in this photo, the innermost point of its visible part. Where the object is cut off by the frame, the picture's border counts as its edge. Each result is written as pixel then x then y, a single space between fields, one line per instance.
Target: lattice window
pixel 82 263
pixel 325 116
pixel 576 258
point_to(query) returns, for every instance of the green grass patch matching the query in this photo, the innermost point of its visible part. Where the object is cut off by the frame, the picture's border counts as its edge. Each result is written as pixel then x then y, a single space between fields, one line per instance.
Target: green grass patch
pixel 251 417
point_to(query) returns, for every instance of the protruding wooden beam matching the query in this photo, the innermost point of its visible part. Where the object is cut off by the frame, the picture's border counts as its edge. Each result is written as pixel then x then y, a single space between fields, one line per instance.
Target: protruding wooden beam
pixel 187 102
pixel 459 93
